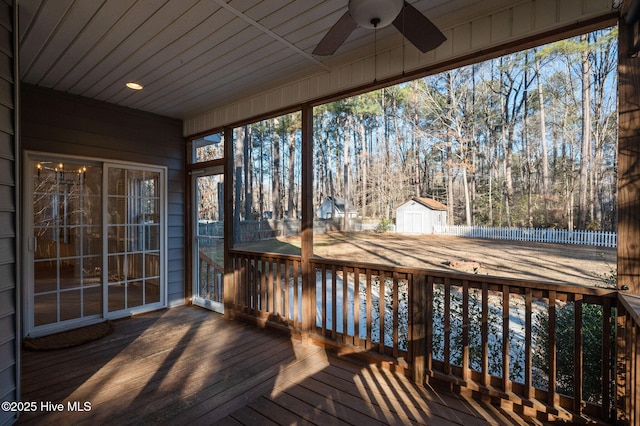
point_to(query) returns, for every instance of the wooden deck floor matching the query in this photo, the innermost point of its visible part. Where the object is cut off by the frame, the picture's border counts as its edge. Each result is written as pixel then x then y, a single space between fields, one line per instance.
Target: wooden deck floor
pixel 190 366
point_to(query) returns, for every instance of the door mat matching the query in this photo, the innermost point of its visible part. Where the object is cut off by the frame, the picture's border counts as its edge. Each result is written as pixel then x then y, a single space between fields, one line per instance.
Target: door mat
pixel 69 339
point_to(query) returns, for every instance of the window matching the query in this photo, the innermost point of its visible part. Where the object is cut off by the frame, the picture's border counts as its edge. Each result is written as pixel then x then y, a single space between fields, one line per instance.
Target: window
pixel 208 148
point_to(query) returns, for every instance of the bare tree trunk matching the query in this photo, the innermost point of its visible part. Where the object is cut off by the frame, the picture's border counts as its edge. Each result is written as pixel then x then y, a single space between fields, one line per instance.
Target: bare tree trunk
pixel 291 205
pixel 467 204
pixel 346 226
pixel 260 185
pixel 543 146
pixel 447 165
pixel 275 182
pixel 238 183
pixel 507 148
pixel 585 152
pixel 364 166
pixel 248 181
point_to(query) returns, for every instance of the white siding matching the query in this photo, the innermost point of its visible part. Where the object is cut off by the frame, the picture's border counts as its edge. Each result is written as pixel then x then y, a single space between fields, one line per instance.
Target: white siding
pixel 522 19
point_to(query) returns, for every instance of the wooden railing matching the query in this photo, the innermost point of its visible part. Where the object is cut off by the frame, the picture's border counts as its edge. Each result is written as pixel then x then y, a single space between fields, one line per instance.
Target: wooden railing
pixel 545 347
pixel 628 360
pixel 268 287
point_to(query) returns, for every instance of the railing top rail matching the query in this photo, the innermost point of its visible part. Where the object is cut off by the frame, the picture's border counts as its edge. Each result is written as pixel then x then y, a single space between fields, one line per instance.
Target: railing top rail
pixel 210 261
pixel 631 303
pixel 265 254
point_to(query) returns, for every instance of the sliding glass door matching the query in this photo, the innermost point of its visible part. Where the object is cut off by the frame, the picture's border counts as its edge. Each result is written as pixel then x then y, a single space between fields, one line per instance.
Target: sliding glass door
pixel 95 241
pixel 133 243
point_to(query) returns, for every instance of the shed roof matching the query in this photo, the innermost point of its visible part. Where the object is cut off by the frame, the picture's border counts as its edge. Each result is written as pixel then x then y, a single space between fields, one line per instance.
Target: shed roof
pixel 429 203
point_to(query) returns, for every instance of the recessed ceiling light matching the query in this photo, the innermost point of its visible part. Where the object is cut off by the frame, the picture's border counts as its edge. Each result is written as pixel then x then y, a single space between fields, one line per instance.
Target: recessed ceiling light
pixel 135 86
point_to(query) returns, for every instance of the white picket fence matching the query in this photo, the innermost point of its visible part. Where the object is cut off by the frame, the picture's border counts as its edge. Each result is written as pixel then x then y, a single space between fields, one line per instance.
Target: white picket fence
pixel 562 236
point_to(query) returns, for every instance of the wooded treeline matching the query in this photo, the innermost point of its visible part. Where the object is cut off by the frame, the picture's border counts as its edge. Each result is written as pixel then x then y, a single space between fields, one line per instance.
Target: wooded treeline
pixel 524 140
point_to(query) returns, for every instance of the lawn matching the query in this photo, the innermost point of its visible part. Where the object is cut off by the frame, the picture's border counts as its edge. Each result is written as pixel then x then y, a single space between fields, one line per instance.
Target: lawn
pixel 574 264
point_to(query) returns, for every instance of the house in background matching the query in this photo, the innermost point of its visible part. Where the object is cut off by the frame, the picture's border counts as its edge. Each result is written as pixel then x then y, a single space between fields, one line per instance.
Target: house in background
pixel 419 215
pixel 334 207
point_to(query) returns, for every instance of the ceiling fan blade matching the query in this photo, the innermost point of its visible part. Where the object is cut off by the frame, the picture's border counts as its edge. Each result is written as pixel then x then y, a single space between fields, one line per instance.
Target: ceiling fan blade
pixel 418 29
pixel 336 36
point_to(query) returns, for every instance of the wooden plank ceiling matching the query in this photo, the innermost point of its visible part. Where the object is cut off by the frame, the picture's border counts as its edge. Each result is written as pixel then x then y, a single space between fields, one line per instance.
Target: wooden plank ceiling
pixel 193 55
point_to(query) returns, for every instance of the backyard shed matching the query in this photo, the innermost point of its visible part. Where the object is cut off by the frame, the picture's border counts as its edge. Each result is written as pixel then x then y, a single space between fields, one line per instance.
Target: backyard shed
pixel 419 216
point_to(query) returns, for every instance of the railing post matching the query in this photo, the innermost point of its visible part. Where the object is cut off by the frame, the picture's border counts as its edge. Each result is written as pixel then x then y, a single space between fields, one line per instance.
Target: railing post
pixel 418 298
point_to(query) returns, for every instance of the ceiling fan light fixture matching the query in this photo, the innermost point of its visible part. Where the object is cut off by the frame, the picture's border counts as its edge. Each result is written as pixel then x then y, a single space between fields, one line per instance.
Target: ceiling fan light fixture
pixel 374 13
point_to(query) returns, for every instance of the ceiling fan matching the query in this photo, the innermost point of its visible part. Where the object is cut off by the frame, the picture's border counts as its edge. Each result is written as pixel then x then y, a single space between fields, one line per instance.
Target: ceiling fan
pixel 416 27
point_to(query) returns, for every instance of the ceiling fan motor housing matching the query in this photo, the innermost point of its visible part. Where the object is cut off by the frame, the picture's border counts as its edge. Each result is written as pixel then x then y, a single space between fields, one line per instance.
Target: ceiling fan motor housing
pixel 374 13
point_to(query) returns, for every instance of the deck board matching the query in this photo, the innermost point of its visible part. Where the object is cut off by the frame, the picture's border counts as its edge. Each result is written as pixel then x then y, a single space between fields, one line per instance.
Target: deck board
pixel 190 366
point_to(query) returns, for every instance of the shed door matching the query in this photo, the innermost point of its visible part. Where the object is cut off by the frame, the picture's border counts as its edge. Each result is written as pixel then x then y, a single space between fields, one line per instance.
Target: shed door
pixel 415 222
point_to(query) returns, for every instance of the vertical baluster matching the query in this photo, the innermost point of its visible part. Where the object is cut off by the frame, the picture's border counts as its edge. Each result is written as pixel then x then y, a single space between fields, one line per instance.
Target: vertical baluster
pixel 345 304
pixel 334 310
pixel 287 290
pixel 208 281
pixel 323 297
pixel 297 271
pixel 244 282
pixel 395 314
pixel 552 349
pixel 277 289
pixel 447 326
pixel 240 282
pixel 220 283
pixel 465 330
pixel 235 265
pixel 429 332
pixel 356 307
pixel 256 285
pixel 270 289
pixel 262 293
pixel 577 355
pixel 324 300
pixel 199 272
pixel 485 334
pixel 606 358
pixel 620 355
pixel 630 336
pixel 528 345
pixel 369 308
pixel 506 301
pixel 635 364
pixel 381 303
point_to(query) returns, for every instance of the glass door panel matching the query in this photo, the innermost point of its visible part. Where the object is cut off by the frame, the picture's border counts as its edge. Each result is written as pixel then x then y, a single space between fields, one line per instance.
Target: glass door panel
pixel 133 238
pixel 209 241
pixel 66 245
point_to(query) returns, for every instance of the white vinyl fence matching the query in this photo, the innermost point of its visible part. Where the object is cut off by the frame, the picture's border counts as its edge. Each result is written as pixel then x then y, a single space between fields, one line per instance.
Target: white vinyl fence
pixel 562 236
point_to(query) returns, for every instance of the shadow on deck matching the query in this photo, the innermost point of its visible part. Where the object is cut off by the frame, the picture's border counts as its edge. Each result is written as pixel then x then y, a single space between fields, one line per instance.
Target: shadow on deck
pixel 190 366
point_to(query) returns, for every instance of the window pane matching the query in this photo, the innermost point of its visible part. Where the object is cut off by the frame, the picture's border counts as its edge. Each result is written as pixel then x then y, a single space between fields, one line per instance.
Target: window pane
pixel 210 147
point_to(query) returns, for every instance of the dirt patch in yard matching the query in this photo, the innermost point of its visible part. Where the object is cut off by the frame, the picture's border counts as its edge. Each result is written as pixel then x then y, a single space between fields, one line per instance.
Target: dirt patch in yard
pixel 572 264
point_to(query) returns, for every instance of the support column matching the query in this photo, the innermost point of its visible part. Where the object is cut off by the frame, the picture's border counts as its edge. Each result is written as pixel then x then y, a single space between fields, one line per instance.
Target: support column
pixel 229 281
pixel 308 275
pixel 628 163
